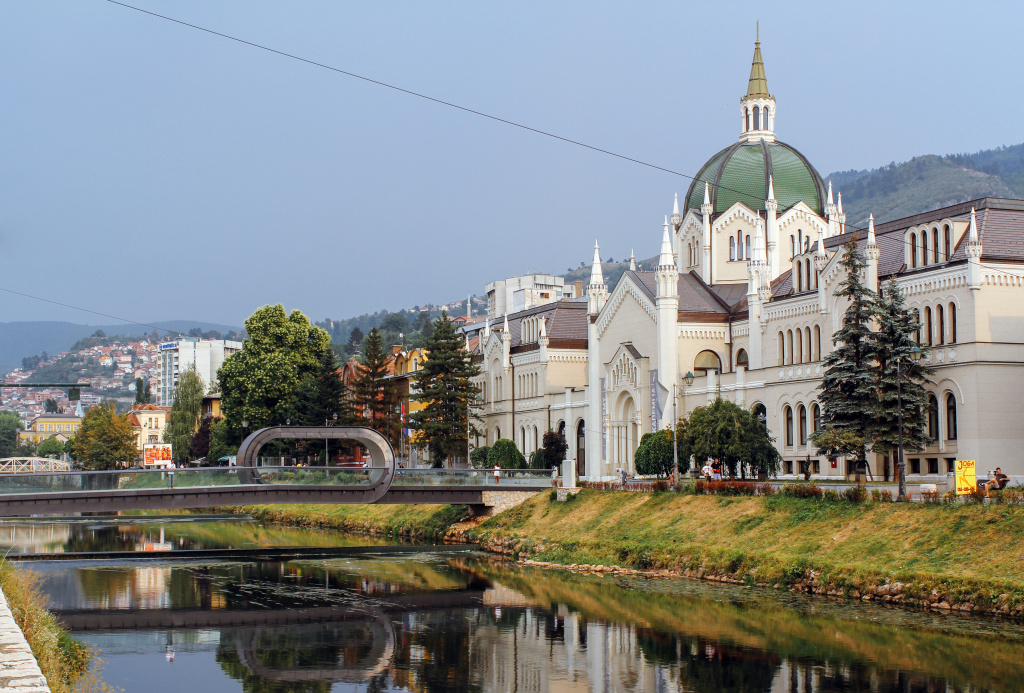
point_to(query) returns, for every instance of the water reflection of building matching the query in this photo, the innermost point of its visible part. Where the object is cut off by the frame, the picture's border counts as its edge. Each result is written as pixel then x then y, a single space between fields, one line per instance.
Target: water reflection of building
pixel 34 537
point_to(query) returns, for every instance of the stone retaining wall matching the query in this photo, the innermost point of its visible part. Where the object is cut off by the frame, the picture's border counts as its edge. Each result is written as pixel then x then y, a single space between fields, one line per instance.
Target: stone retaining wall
pixel 19 672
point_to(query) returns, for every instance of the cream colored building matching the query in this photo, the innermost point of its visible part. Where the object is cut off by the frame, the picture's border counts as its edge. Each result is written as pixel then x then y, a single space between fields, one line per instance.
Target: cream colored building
pixel 744 297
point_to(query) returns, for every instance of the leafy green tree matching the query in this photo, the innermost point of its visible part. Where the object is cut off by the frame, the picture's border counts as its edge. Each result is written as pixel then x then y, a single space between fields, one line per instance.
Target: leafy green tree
pixel 726 432
pixel 50 446
pixel 221 444
pixel 200 445
pixel 50 406
pixel 258 384
pixel 554 449
pixel 537 460
pixel 478 458
pixel 105 440
pixel 446 391
pixel 893 343
pixel 375 393
pixel 186 409
pixel 654 454
pixel 849 388
pixel 10 430
pixel 505 454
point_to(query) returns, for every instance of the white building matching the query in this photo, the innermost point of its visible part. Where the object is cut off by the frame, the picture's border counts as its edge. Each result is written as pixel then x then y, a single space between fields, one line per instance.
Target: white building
pixel 744 297
pixel 519 293
pixel 207 355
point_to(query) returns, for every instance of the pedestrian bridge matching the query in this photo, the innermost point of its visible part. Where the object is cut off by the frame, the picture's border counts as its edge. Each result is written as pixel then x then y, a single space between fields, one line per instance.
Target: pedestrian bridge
pixel 247 484
pixel 22 465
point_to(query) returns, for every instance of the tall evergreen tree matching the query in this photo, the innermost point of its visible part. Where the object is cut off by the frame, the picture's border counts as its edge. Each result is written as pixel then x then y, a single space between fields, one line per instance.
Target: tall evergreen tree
pixel 375 394
pixel 186 409
pixel 849 386
pixel 447 393
pixel 894 340
pixel 322 394
pixel 140 391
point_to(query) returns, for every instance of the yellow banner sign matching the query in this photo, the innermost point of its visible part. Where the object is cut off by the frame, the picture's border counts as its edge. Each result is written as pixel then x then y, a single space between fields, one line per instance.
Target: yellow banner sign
pixel 966 477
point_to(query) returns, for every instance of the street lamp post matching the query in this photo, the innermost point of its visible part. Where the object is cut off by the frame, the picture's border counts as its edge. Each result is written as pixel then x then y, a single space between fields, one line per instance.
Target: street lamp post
pixel 915 356
pixel 688 379
pixel 327 441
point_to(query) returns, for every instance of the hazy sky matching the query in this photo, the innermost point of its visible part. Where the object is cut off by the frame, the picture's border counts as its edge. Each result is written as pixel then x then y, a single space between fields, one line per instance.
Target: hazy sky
pixel 155 172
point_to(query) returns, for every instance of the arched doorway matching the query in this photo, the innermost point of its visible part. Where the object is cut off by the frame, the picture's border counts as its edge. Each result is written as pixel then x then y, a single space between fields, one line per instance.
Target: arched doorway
pixel 581 449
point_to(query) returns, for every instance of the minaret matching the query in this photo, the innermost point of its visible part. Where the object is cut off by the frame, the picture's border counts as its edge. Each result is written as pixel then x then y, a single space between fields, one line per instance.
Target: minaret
pixel 973 252
pixel 597 295
pixel 841 215
pixel 632 261
pixel 758 277
pixel 757 107
pixel 506 345
pixel 831 213
pixel 667 302
pixel 771 210
pixel 872 253
pixel 705 241
pixel 677 222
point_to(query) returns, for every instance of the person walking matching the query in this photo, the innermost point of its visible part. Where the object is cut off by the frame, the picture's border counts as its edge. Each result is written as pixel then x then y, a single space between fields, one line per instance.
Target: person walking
pixel 170 474
pixel 622 477
pixel 706 471
pixel 497 473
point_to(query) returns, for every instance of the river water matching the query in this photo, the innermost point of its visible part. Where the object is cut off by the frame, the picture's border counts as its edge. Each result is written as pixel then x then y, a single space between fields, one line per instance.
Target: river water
pixel 439 620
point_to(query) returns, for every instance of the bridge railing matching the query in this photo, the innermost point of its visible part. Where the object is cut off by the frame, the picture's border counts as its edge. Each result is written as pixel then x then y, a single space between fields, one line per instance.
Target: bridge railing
pixel 472 477
pixel 205 477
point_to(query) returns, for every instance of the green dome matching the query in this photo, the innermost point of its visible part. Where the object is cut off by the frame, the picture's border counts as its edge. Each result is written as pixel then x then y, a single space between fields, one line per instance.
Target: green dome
pixel 740 174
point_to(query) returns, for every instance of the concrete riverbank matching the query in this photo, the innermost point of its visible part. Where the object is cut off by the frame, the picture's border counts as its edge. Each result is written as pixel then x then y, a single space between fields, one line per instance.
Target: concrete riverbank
pixel 19 671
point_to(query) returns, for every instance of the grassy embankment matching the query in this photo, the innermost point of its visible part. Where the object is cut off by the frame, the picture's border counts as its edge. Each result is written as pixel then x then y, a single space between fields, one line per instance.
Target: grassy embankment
pixel 62 659
pixel 956 556
pixel 947 556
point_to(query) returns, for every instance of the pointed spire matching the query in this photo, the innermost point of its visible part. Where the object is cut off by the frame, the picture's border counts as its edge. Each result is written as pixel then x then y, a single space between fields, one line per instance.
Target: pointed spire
pixel 506 325
pixel 830 200
pixel 632 261
pixel 666 258
pixel 760 254
pixel 543 327
pixel 675 205
pixel 840 205
pixel 596 275
pixel 487 327
pixel 972 235
pixel 757 87
pixel 771 187
pixel 707 193
pixel 871 229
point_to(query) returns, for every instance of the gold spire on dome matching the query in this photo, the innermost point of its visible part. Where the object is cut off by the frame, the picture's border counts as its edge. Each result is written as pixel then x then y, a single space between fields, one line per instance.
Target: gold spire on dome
pixel 757 87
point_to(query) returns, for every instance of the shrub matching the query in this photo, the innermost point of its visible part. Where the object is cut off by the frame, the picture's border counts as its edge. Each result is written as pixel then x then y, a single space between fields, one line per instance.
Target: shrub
pixel 700 487
pixel 733 488
pixel 478 458
pixel 886 496
pixel 655 454
pixel 856 494
pixel 876 495
pixel 660 485
pixel 932 497
pixel 802 491
pixel 830 495
pixel 766 489
pixel 505 454
pixel 538 460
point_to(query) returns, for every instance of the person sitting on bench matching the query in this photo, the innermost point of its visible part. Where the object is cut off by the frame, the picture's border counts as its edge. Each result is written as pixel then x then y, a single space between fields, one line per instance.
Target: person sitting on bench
pixel 998 482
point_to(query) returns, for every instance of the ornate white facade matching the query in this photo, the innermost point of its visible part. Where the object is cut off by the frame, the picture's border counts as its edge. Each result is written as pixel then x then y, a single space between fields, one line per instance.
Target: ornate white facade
pixel 743 297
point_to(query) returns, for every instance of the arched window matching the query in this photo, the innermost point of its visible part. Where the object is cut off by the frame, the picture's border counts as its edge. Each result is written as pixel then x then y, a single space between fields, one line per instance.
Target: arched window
pixel 757 118
pixel 782 349
pixel 789 347
pixel 933 417
pixel 817 342
pixel 707 360
pixel 816 416
pixel 952 323
pixel 913 250
pixel 950 416
pixel 792 247
pixel 917 332
pixel 807 266
pixel 746 119
pixel 801 414
pixel 739 245
pixel 928 326
pixel 732 248
pixel 789 426
pixel 746 245
pixel 807 338
pixel 947 242
pixel 742 359
pixel 522 440
pixel 935 245
pixel 799 240
pixel 798 276
pixel 799 343
pixel 940 324
pixel 581 448
pixel 807 243
pixel 497 432
pixel 760 413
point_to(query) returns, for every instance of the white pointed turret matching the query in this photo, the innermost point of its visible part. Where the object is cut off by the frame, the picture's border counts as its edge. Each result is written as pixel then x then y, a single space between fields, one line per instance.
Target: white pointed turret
pixel 632 260
pixel 597 291
pixel 505 327
pixel 667 256
pixel 757 107
pixel 973 252
pixel 832 214
pixel 707 196
pixel 666 301
pixel 705 237
pixel 758 291
pixel 487 328
pixel 760 250
pixel 677 218
pixel 830 200
pixel 771 211
pixel 872 253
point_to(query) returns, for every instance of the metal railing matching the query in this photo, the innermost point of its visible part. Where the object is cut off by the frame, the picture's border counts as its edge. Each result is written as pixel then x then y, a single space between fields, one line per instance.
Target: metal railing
pixel 340 478
pixel 32 465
